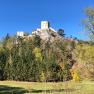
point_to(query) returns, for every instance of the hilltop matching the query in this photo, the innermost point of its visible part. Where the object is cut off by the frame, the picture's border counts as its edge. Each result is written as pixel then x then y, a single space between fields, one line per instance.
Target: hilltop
pixel 46 33
pixel 45 55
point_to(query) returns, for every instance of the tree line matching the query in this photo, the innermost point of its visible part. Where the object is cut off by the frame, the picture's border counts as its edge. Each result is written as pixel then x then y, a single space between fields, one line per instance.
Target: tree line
pixel 38 60
pixel 34 60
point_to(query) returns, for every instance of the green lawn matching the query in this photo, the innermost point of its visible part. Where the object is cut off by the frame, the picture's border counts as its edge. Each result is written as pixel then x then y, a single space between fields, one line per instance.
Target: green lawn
pixel 13 87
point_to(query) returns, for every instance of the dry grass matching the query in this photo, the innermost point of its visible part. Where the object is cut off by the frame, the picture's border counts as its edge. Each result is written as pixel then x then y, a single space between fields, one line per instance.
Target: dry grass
pixel 15 87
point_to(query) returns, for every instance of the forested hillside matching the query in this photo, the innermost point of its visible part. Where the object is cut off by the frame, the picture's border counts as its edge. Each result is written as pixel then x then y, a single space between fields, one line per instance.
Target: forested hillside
pixel 48 55
pixel 35 60
pixel 39 60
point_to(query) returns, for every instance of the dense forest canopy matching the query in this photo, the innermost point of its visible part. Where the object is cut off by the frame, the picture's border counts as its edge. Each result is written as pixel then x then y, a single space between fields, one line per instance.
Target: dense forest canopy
pixel 39 60
pixel 35 60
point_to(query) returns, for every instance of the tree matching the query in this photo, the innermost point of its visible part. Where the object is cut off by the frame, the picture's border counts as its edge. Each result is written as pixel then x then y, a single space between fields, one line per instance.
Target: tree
pixel 37 54
pixel 36 41
pixel 3 60
pixel 34 60
pixel 89 22
pixel 61 32
pixel 84 56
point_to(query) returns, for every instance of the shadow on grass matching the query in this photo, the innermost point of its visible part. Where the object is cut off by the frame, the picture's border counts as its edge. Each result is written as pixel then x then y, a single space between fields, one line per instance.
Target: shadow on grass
pixel 12 90
pixel 52 90
pixel 18 90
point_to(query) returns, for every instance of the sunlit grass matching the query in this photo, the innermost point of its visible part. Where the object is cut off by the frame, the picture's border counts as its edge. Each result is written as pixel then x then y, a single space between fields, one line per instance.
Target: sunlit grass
pixel 70 87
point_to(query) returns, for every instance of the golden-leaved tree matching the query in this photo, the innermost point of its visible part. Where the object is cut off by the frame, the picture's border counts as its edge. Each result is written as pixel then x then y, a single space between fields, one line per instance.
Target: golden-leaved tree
pixel 84 55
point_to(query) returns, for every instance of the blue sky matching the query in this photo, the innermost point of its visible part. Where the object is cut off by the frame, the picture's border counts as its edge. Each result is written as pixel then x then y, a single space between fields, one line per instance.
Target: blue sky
pixel 26 15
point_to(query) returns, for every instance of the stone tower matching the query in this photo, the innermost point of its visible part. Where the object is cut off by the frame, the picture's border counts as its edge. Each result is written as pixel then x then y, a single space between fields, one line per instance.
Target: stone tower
pixel 44 25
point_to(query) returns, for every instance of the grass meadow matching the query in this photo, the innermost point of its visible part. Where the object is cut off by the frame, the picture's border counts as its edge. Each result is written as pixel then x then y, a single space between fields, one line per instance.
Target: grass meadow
pixel 70 87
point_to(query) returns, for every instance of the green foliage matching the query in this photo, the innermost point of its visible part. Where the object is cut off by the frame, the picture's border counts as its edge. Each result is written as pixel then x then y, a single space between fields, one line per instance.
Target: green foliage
pixel 84 55
pixel 61 32
pixel 42 77
pixel 89 22
pixel 37 53
pixel 36 41
pixel 34 60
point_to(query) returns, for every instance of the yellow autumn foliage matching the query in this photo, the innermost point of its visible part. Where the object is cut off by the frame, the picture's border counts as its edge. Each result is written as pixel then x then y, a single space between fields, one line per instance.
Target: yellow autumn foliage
pixel 37 53
pixel 84 56
pixel 75 76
